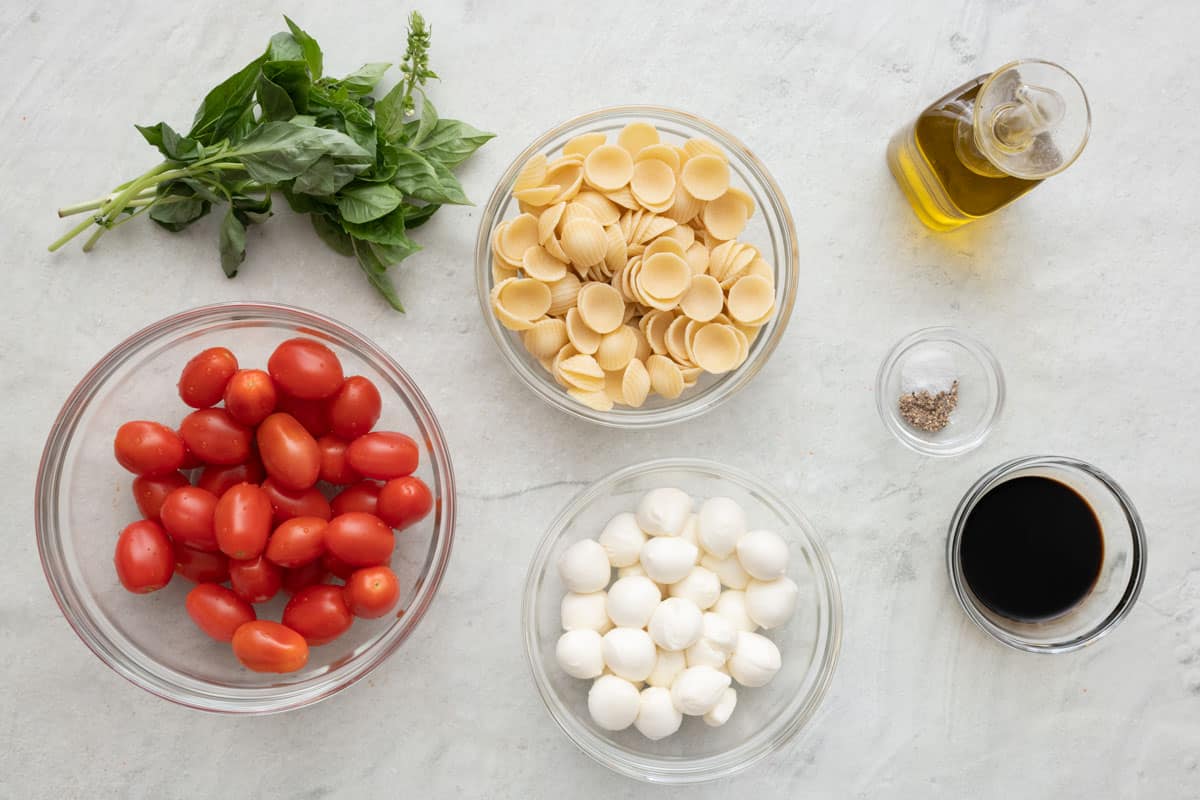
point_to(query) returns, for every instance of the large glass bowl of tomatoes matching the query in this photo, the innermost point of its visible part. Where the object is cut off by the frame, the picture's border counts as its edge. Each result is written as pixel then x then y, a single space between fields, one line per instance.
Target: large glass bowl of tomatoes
pixel 174 640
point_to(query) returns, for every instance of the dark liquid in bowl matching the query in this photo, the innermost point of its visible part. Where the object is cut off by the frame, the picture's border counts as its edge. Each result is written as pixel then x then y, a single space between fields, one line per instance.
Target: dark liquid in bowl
pixel 1031 549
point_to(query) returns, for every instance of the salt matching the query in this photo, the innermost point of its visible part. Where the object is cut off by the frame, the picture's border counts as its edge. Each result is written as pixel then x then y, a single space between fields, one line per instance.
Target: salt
pixel 928 370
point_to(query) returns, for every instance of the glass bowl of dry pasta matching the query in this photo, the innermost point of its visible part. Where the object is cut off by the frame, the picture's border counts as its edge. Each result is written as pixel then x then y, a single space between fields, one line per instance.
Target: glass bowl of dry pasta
pixel 636 266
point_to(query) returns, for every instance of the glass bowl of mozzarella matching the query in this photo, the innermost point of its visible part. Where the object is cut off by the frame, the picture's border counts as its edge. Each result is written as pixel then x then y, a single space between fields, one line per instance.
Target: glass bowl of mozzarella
pixel 728 620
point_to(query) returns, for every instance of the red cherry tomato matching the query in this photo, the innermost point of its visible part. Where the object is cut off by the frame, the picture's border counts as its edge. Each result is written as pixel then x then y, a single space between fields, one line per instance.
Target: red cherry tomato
pixel 404 501
pixel 289 453
pixel 220 479
pixel 250 396
pixel 199 566
pixel 150 491
pixel 187 514
pixel 255 580
pixel 296 579
pixel 383 455
pixel 334 468
pixel 265 646
pixel 362 540
pixel 336 567
pixel 215 437
pixel 148 448
pixel 305 368
pixel 297 542
pixel 242 521
pixel 372 592
pixel 362 496
pixel 288 504
pixel 190 459
pixel 312 414
pixel 144 558
pixel 318 613
pixel 204 377
pixel 218 611
pixel 355 408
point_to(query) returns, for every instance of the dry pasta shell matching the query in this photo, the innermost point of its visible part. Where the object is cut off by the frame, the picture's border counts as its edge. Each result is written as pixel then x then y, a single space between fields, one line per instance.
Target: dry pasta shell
pixel 563 293
pixel 554 247
pixel 598 400
pixel 700 146
pixel 627 280
pixel 568 174
pixel 584 241
pixel 684 207
pixel 524 298
pixel 665 377
pixel 664 277
pixel 721 257
pixel 759 266
pixel 582 372
pixel 660 152
pixel 628 221
pixel 690 376
pixel 643 350
pixel 657 323
pixel 725 217
pixel 615 257
pixel 612 386
pixel 532 175
pixel 683 234
pixel 635 383
pixel 664 244
pixel 743 345
pixel 584 339
pixel 705 176
pixel 745 197
pixel 566 352
pixel 545 338
pixel 606 211
pixel 517 236
pixel 716 348
pixel 501 271
pixel 548 222
pixel 616 348
pixel 652 226
pixel 697 257
pixel 497 255
pixel 600 272
pixel 751 299
pixel 637 135
pixel 583 144
pixel 738 267
pixel 634 250
pixel 623 197
pixel 676 340
pixel 689 335
pixel 704 298
pixel 539 196
pixel 608 167
pixel 575 211
pixel 506 317
pixel 653 183
pixel 540 265
pixel 529 208
pixel 601 307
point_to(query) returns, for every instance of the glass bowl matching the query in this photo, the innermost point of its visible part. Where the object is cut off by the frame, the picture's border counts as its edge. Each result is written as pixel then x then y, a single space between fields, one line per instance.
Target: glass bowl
pixel 84 500
pixel 1122 569
pixel 980 391
pixel 765 717
pixel 771 230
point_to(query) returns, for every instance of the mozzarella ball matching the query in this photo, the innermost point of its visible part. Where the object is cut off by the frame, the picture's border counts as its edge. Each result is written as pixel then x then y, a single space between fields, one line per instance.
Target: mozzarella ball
pixel 632 600
pixel 717 639
pixel 657 716
pixel 666 667
pixel 728 570
pixel 580 653
pixel 723 710
pixel 701 586
pixel 732 606
pixel 584 567
pixel 676 624
pixel 622 539
pixel 629 653
pixel 721 522
pixel 613 703
pixel 764 555
pixel 755 660
pixel 663 512
pixel 585 612
pixel 771 603
pixel 697 690
pixel 668 559
pixel 691 530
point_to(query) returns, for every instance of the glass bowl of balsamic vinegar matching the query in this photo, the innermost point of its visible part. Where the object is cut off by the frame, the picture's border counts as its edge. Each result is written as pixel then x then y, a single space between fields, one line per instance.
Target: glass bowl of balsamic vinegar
pixel 1046 553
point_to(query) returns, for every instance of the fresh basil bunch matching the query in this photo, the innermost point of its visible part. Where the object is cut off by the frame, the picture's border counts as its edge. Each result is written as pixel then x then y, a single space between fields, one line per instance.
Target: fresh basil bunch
pixel 366 171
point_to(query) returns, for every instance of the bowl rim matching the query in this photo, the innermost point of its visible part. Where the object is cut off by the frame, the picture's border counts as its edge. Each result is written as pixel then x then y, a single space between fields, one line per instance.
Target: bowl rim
pixel 999 474
pixel 713 767
pixel 258 700
pixel 787 264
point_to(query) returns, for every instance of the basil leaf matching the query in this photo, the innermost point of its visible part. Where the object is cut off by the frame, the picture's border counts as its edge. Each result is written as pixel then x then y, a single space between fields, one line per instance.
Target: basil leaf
pixel 279 151
pixel 450 141
pixel 415 216
pixel 376 272
pixel 307 203
pixel 414 173
pixel 289 78
pixel 274 100
pixel 252 209
pixel 393 254
pixel 426 124
pixel 284 47
pixel 360 126
pixel 312 50
pixel 198 189
pixel 244 124
pixel 365 78
pixel 170 143
pixel 325 177
pixel 388 229
pixel 332 234
pixel 232 243
pixel 177 213
pixel 451 190
pixel 222 109
pixel 368 201
pixel 389 114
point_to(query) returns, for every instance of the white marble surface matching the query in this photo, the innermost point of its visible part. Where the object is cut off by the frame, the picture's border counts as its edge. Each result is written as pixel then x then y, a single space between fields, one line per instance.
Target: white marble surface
pixel 1087 290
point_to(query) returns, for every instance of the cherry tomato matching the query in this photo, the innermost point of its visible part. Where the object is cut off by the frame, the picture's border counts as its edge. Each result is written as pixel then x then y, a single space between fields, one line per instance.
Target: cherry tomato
pixel 187 514
pixel 255 580
pixel 250 396
pixel 318 613
pixel 383 455
pixel 372 592
pixel 312 414
pixel 336 567
pixel 265 646
pixel 362 496
pixel 190 459
pixel 144 558
pixel 148 448
pixel 288 504
pixel 334 468
pixel 220 479
pixel 242 521
pixel 289 453
pixel 305 368
pixel 204 377
pixel 296 579
pixel 218 611
pixel 199 566
pixel 362 540
pixel 404 501
pixel 214 437
pixel 355 408
pixel 297 542
pixel 150 491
